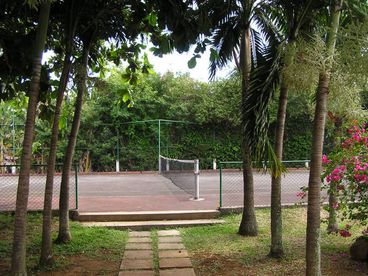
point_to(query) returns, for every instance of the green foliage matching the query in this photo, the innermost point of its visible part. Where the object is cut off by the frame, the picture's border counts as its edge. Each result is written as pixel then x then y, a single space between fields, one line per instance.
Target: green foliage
pixel 91 242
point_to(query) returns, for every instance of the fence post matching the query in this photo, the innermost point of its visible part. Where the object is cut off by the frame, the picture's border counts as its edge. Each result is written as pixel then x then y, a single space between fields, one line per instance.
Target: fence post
pixel 76 185
pixel 220 169
pixel 196 176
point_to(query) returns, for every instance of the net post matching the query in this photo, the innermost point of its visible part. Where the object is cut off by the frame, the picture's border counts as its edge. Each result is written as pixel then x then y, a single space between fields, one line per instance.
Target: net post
pixel 220 169
pixel 196 177
pixel 167 165
pixel 159 164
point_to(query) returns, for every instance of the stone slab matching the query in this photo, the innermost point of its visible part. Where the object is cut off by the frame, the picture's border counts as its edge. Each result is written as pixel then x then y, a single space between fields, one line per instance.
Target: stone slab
pixel 170 246
pixel 130 264
pixel 174 239
pixel 139 234
pixel 164 233
pixel 138 246
pixel 137 273
pixel 173 254
pixel 175 262
pixel 177 272
pixel 140 239
pixel 138 254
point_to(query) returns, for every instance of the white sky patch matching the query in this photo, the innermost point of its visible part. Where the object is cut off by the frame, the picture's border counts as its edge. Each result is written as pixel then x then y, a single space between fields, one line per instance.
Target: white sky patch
pixel 178 64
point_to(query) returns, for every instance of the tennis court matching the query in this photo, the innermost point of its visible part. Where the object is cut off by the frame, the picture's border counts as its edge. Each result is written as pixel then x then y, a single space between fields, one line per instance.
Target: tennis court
pixel 152 191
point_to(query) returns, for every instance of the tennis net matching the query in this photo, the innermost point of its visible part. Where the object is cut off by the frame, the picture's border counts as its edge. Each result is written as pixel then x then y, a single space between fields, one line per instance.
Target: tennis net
pixel 182 173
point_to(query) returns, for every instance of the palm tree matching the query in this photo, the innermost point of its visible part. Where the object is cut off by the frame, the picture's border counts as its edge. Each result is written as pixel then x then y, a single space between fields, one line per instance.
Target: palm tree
pixel 313 255
pixel 71 19
pixel 233 37
pixel 18 265
pixel 286 18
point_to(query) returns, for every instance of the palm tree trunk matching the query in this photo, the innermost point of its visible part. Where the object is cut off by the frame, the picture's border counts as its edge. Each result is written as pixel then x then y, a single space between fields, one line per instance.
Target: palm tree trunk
pixel 313 251
pixel 248 225
pixel 313 256
pixel 277 250
pixel 18 265
pixel 46 248
pixel 64 231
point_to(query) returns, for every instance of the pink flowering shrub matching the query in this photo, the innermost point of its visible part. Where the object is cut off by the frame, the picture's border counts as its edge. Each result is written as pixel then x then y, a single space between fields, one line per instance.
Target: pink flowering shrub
pixel 347 168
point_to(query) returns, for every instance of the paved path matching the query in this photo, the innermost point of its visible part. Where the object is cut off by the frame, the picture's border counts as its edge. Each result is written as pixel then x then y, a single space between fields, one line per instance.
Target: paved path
pixel 166 256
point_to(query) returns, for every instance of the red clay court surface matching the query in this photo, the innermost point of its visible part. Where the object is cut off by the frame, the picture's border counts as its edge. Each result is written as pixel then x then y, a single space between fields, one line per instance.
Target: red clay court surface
pixel 153 192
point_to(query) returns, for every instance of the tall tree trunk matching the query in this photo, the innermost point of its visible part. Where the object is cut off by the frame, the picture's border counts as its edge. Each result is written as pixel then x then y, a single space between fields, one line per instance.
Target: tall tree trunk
pixel 18 264
pixel 277 250
pixel 333 226
pixel 313 250
pixel 70 28
pixel 64 231
pixel 248 225
pixel 46 248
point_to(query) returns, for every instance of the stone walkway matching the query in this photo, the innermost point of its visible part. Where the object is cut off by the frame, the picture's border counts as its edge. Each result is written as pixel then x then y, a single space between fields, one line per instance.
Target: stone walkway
pixel 143 258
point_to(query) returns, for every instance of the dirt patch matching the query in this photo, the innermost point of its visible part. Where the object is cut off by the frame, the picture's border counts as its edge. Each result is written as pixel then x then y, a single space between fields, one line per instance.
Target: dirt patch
pixel 81 265
pixel 234 265
pixel 73 265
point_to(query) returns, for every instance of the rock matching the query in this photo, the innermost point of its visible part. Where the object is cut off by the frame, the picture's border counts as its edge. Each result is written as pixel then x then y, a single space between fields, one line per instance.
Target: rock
pixel 359 249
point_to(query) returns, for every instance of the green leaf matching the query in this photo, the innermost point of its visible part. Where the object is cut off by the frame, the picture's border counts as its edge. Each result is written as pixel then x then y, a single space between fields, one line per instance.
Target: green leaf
pixel 192 62
pixel 213 55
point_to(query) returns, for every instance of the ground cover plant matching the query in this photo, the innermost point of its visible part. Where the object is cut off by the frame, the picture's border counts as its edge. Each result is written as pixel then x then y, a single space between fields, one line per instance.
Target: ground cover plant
pixel 218 250
pixel 92 250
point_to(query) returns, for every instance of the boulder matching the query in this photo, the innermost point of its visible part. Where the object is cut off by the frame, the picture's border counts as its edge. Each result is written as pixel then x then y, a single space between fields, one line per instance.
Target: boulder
pixel 359 249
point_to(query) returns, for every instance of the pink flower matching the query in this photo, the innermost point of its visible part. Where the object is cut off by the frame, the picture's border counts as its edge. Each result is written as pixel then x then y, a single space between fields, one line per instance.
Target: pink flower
pixel 301 194
pixel 325 160
pixel 335 205
pixel 344 233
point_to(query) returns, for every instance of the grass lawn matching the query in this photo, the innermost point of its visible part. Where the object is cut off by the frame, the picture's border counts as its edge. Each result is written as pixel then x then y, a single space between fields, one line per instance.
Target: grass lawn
pixel 214 250
pixel 96 251
pixel 218 250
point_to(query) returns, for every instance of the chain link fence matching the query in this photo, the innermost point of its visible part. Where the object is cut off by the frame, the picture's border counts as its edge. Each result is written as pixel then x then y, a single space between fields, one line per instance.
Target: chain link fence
pixel 231 183
pixel 9 175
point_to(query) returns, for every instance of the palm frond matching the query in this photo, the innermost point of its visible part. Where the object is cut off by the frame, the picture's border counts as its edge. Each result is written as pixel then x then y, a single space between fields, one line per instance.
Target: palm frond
pixel 264 79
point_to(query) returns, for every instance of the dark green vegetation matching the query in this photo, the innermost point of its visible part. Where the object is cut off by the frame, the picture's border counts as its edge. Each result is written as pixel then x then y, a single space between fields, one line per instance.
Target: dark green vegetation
pixel 101 248
pixel 213 132
pixel 218 250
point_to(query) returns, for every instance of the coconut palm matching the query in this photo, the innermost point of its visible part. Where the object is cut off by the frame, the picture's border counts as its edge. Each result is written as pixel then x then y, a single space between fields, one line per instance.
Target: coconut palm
pixel 254 53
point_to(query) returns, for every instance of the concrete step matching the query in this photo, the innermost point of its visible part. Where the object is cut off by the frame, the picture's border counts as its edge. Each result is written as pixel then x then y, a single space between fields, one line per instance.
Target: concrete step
pixel 149 215
pixel 147 225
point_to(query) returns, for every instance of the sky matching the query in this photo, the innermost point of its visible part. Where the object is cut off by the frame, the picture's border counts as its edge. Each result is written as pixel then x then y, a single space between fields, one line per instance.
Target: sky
pixel 178 63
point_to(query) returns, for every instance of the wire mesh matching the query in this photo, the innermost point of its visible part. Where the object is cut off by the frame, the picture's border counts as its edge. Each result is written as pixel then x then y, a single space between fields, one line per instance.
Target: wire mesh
pixel 9 175
pixel 231 182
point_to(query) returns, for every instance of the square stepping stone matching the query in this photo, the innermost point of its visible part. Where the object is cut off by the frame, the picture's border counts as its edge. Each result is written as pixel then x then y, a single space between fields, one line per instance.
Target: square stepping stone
pixel 137 273
pixel 178 272
pixel 175 239
pixel 140 239
pixel 173 254
pixel 132 264
pixel 139 234
pixel 138 254
pixel 138 246
pixel 172 246
pixel 163 233
pixel 175 262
